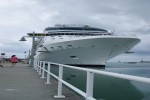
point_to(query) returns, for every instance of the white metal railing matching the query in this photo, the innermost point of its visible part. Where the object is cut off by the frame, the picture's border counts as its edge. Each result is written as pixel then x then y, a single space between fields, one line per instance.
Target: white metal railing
pixel 39 66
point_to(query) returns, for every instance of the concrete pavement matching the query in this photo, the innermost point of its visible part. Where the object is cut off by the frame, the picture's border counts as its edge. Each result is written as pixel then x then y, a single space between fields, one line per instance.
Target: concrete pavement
pixel 24 83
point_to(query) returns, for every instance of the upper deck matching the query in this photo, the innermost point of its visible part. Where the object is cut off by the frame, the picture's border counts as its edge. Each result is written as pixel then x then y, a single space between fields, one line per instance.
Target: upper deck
pixel 74 28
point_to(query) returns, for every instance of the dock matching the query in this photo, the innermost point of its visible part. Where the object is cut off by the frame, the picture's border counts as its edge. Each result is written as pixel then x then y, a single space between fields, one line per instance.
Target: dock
pixel 24 83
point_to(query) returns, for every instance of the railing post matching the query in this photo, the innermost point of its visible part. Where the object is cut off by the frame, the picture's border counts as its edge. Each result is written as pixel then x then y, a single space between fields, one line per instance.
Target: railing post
pixel 48 73
pixel 40 68
pixel 35 64
pixel 38 63
pixel 59 94
pixel 89 86
pixel 43 69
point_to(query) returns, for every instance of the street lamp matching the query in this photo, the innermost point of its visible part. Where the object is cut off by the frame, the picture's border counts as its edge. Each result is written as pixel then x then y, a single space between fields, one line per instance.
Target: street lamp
pixel 23 39
pixel 33 48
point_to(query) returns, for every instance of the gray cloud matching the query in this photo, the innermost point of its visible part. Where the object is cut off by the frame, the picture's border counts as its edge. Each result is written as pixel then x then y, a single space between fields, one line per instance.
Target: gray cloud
pixel 18 17
pixel 143 47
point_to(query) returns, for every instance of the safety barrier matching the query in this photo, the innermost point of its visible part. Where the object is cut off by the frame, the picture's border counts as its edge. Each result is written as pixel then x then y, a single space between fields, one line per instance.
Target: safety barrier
pixel 39 66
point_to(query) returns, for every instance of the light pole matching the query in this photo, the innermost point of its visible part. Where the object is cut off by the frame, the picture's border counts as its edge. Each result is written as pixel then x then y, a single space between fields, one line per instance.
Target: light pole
pixel 32 50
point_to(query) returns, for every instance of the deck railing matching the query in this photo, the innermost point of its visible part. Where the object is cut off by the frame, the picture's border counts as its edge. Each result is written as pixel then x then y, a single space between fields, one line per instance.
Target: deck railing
pixel 39 66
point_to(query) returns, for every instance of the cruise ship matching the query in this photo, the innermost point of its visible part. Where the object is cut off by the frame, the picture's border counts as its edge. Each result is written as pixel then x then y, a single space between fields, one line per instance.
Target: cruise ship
pixel 80 45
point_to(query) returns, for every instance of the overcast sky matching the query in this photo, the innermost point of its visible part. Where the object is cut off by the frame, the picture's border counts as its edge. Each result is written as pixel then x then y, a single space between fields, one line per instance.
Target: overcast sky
pixel 18 17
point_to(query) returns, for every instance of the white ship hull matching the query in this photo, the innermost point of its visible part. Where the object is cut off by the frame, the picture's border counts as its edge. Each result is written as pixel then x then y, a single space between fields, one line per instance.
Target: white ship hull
pixel 92 51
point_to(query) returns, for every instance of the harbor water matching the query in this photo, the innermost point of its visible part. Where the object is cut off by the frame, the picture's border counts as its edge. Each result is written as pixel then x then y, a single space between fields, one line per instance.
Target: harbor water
pixel 110 88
